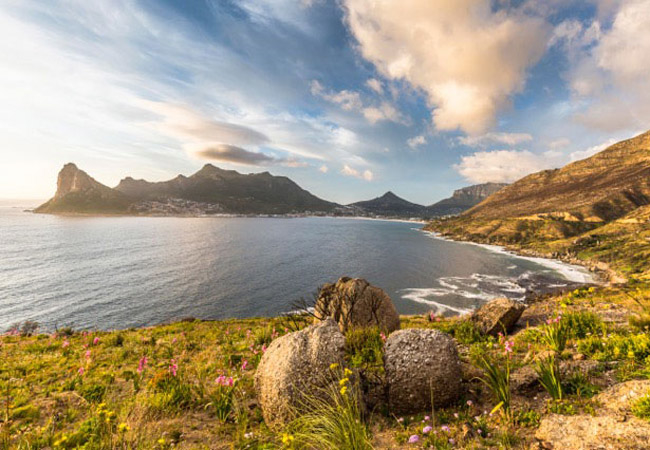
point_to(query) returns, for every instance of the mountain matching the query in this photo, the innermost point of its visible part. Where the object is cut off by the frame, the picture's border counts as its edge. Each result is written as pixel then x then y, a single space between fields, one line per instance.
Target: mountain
pixel 595 212
pixel 601 188
pixel 76 191
pixel 210 190
pixel 463 199
pixel 390 204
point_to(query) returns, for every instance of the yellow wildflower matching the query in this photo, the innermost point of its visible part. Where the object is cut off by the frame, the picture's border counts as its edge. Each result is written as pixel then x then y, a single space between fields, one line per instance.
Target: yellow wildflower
pixel 334 366
pixel 343 381
pixel 347 372
pixel 344 390
pixel 287 439
pixel 123 428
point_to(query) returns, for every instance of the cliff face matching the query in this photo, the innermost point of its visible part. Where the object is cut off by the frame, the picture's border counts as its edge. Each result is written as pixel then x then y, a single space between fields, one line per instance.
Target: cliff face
pixel 603 187
pixel 464 198
pixel 78 192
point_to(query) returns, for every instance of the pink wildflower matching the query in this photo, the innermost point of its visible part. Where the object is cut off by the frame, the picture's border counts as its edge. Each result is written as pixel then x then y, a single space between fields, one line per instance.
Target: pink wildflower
pixel 88 353
pixel 427 418
pixel 427 429
pixel 244 365
pixel 414 439
pixel 142 364
pixel 80 371
pixel 96 340
pixel 263 348
pixel 65 344
pixel 173 367
pixel 508 345
pixel 174 341
pixel 383 336
pixel 470 403
pixel 445 428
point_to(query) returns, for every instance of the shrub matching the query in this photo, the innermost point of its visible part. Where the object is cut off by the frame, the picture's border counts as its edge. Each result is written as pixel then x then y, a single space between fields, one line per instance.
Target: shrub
pixel 641 407
pixel 580 324
pixel 528 418
pixel 265 335
pixel 578 384
pixel 364 347
pixel 549 377
pixel 171 393
pixel 616 347
pixel 467 333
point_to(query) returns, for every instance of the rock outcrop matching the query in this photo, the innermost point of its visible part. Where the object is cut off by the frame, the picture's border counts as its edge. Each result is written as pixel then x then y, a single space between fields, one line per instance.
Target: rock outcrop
pixel 421 365
pixel 353 302
pixel 498 315
pixel 294 366
pixel 614 427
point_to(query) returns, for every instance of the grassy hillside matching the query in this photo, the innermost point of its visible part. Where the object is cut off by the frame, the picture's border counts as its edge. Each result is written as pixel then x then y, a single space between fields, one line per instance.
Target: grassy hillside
pixel 603 187
pixel 168 386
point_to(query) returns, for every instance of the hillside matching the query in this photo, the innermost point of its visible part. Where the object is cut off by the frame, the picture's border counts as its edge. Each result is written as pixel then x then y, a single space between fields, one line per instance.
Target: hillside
pixel 210 190
pixel 603 187
pixel 463 199
pixel 390 204
pixel 595 211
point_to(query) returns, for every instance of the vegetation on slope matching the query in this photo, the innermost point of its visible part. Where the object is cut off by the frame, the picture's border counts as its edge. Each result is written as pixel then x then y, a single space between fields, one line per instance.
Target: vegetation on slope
pixel 190 384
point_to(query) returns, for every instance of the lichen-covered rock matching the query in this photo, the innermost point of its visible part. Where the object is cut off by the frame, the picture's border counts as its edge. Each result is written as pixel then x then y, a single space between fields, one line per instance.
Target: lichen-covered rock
pixel 618 398
pixel 498 315
pixel 353 302
pixel 294 366
pixel 559 432
pixel 420 365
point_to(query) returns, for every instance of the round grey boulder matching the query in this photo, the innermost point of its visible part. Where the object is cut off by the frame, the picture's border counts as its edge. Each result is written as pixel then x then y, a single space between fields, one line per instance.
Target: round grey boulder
pixel 294 366
pixel 421 365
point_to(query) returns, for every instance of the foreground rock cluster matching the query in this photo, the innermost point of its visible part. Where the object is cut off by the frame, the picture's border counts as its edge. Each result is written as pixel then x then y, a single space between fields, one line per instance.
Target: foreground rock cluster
pixel 421 365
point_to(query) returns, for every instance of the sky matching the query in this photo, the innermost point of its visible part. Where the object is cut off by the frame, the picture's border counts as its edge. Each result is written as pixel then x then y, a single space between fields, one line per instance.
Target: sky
pixel 349 98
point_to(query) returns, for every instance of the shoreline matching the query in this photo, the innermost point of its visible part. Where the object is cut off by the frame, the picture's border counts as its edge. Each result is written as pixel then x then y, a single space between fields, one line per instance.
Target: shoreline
pixel 577 273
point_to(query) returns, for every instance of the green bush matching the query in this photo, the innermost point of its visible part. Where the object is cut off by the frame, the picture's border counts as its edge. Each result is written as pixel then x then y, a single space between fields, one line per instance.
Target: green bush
pixel 364 348
pixel 616 347
pixel 641 407
pixel 583 323
pixel 171 393
pixel 579 384
pixel 556 334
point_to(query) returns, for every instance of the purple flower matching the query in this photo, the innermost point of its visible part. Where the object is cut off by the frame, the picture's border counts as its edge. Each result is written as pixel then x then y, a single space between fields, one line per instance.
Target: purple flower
pixel 469 403
pixel 427 429
pixel 451 441
pixel 427 418
pixel 142 364
pixel 413 439
pixel 445 428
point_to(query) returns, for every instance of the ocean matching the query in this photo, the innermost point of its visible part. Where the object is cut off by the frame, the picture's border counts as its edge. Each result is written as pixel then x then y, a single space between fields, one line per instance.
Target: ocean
pixel 121 272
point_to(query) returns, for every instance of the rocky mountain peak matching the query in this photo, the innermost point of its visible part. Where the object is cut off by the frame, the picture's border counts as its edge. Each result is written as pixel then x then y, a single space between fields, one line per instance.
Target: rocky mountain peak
pixel 72 179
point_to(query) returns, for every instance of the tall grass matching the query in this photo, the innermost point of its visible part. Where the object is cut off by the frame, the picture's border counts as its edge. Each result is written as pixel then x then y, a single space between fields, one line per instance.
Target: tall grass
pixel 556 334
pixel 332 418
pixel 496 377
pixel 549 376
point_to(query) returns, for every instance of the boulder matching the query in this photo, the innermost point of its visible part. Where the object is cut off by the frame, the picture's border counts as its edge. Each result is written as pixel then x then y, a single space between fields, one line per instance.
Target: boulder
pixel 421 365
pixel 583 432
pixel 498 315
pixel 294 366
pixel 618 399
pixel 353 302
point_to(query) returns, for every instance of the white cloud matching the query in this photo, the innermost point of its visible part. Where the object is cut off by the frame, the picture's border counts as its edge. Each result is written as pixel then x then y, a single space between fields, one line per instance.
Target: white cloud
pixel 583 154
pixel 468 58
pixel 385 111
pixel 559 143
pixel 323 169
pixel 351 172
pixel 500 166
pixel 610 68
pixel 510 139
pixel 351 101
pixel 416 141
pixel 375 85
